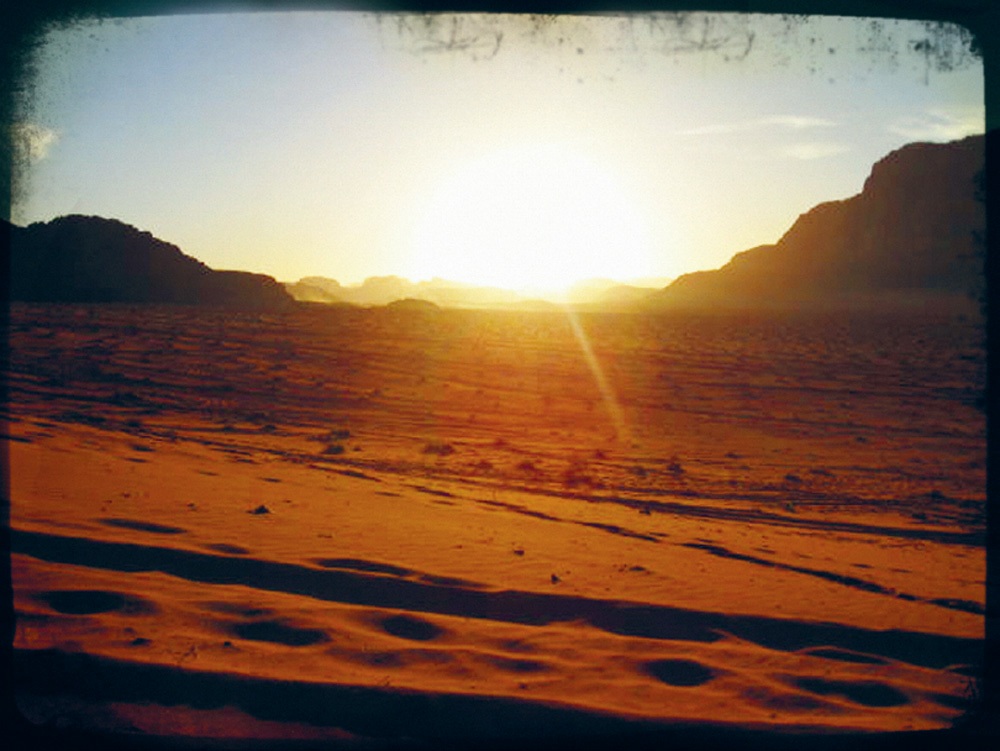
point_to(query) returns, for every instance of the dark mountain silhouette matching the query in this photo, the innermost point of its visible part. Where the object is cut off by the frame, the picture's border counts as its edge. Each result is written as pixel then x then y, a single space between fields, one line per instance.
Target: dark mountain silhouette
pixel 92 259
pixel 914 234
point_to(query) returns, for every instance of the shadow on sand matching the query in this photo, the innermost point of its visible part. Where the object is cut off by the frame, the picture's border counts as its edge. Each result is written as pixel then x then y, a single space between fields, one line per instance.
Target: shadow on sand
pixel 511 606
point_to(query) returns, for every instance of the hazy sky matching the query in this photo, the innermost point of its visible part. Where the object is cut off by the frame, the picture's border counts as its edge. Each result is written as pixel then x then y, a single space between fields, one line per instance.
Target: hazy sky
pixel 496 150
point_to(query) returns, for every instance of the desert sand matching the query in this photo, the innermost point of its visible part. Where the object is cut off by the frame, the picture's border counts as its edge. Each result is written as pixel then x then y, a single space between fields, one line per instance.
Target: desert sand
pixel 338 523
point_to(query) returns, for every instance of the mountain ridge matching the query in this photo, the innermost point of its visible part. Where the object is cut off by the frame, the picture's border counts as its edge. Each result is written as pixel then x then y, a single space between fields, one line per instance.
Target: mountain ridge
pixel 914 234
pixel 383 290
pixel 77 258
pixel 914 231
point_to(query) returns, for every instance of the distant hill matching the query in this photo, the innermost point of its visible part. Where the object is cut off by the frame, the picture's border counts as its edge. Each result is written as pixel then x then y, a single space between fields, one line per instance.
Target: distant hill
pixel 914 233
pixel 607 293
pixel 307 291
pixel 384 290
pixel 92 259
pixel 409 304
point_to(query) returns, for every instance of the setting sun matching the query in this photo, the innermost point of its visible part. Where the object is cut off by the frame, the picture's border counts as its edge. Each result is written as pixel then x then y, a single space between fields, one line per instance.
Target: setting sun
pixel 532 218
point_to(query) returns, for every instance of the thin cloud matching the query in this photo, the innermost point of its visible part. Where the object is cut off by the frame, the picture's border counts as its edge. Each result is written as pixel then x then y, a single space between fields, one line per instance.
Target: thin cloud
pixel 940 125
pixel 798 122
pixel 815 150
pixel 793 122
pixel 33 142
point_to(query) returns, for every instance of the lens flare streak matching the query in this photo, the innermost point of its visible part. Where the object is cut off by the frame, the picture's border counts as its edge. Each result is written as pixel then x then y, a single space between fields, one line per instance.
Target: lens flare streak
pixel 607 393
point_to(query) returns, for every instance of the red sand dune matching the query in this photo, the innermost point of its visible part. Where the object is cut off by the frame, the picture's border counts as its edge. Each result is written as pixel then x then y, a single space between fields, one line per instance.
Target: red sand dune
pixel 337 524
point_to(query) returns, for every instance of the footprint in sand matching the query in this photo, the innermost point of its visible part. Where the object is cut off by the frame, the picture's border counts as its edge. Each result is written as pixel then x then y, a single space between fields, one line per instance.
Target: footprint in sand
pixel 408 627
pixel 93 601
pixel 684 673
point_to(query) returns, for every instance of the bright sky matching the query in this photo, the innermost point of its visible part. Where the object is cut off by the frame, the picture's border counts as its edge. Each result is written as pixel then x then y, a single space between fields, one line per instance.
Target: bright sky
pixel 493 150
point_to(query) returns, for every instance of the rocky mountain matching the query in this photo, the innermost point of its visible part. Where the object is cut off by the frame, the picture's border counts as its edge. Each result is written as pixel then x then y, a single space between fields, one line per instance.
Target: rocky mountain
pixel 92 259
pixel 915 233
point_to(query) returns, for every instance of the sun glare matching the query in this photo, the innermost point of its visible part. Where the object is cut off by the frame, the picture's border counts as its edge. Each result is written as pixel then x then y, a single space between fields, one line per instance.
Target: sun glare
pixel 533 219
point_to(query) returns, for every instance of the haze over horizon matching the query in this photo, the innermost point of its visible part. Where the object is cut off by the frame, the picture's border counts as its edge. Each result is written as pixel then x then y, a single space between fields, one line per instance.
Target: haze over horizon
pixel 497 151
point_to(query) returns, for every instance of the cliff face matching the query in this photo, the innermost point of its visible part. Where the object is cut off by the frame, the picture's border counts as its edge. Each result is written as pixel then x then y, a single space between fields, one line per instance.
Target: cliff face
pixel 90 259
pixel 916 229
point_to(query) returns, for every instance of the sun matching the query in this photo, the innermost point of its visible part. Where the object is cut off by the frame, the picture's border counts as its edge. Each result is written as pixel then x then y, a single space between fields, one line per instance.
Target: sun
pixel 534 219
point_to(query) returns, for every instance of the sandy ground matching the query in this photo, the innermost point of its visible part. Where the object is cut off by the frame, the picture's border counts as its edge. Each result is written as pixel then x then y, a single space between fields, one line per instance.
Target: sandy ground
pixel 341 524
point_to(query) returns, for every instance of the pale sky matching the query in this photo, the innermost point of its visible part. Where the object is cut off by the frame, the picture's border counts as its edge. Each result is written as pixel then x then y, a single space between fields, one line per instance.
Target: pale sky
pixel 493 150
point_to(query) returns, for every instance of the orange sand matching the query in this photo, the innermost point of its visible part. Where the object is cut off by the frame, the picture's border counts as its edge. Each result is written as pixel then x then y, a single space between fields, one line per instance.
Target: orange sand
pixel 765 522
